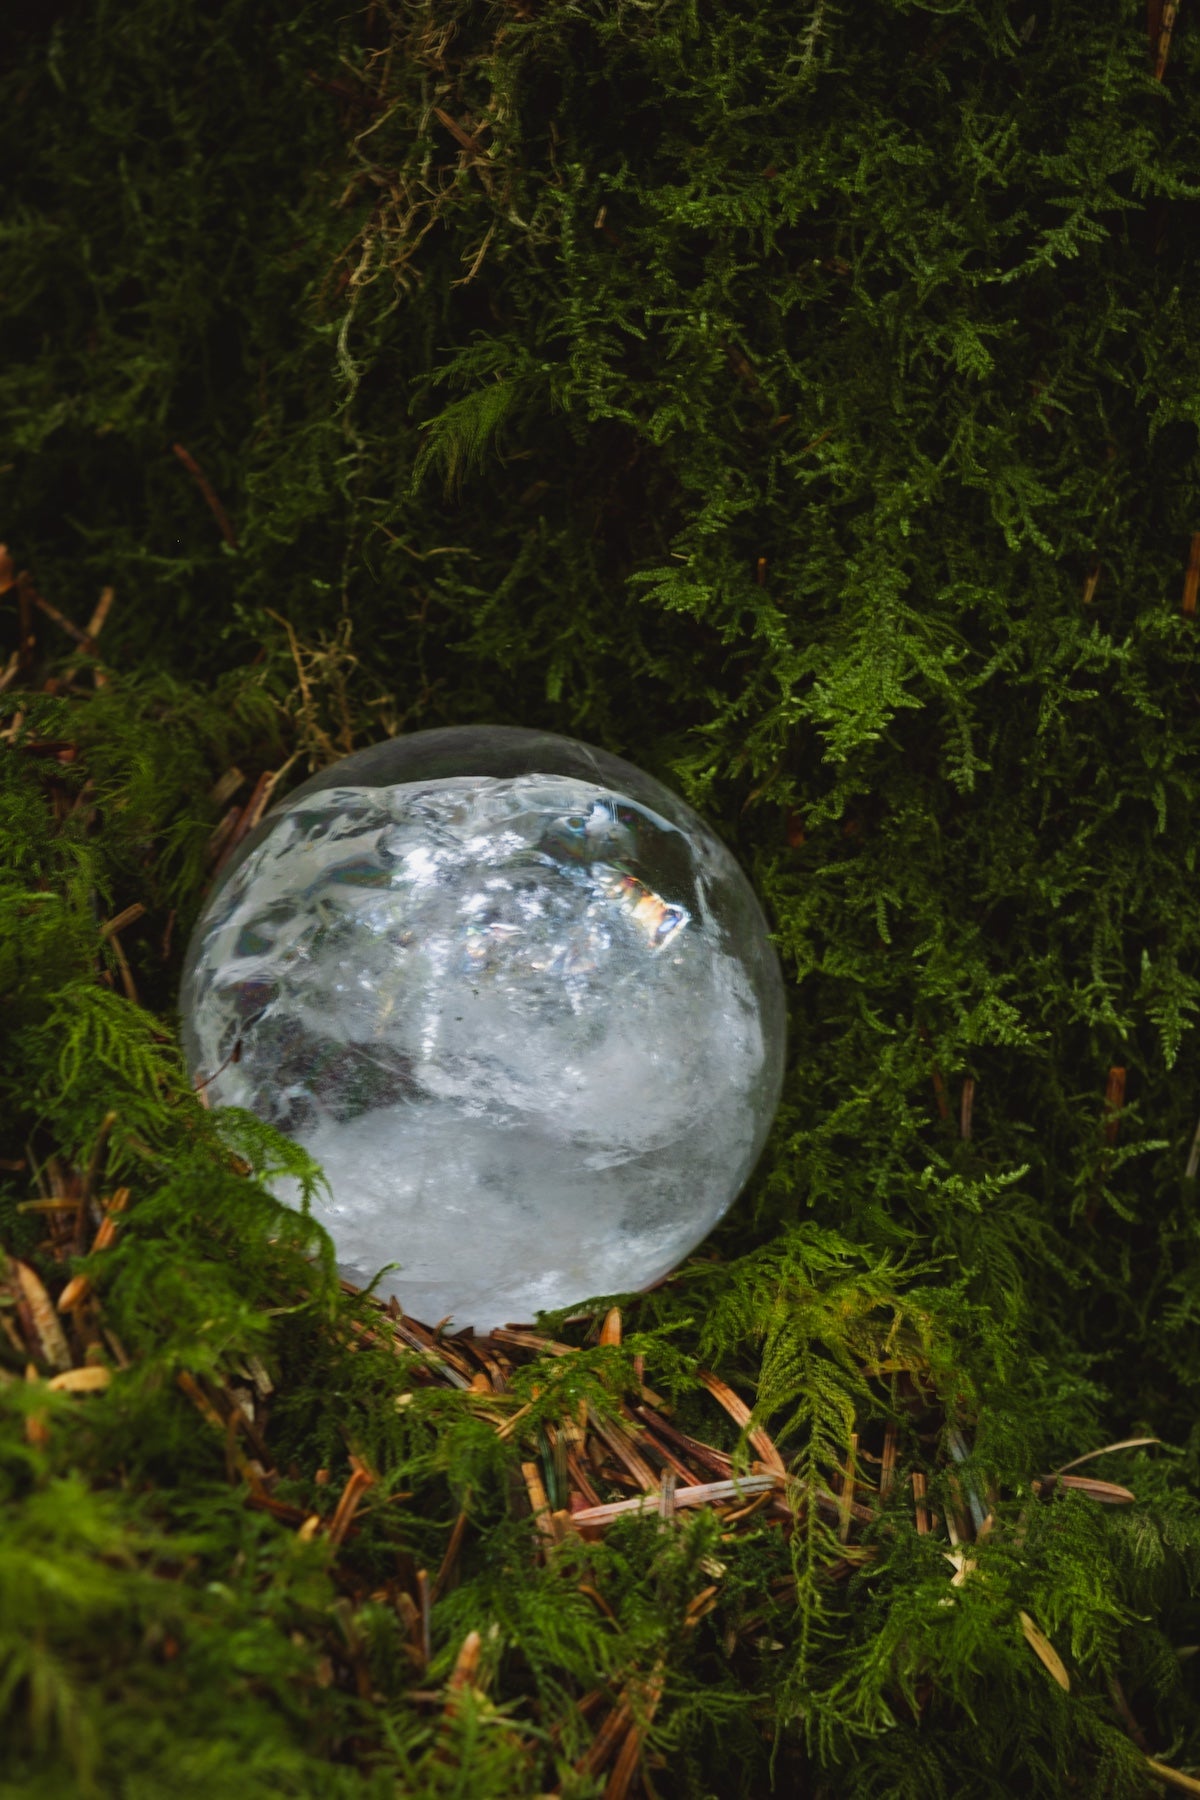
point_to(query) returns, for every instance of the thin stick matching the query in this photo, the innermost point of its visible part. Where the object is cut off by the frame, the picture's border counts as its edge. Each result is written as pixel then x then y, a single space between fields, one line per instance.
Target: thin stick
pixel 1167 26
pixel 64 624
pixel 1183 1784
pixel 967 1108
pixel 209 492
pixel 452 1550
pixel 220 834
pixel 200 1400
pixel 252 812
pixel 606 1740
pixel 226 787
pixel 1128 1718
pixel 127 981
pixel 129 916
pixel 359 1480
pixel 918 1488
pixel 1114 1099
pixel 458 134
pixel 625 1766
pixel 95 624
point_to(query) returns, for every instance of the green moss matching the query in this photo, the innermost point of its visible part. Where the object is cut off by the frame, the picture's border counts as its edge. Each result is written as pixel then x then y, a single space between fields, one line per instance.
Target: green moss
pixel 805 407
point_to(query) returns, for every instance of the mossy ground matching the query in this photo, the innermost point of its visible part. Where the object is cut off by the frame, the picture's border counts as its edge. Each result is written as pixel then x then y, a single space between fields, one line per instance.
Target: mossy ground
pixel 803 405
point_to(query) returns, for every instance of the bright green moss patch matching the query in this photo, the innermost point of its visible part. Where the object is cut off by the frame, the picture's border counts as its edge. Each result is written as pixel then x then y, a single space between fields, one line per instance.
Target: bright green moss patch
pixel 802 405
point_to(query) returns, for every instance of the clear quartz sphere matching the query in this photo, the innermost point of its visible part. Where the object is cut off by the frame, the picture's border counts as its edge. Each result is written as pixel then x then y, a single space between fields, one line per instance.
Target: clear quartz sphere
pixel 517 1000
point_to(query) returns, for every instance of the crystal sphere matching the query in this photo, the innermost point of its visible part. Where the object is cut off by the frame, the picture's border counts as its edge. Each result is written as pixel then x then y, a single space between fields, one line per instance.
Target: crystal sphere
pixel 514 996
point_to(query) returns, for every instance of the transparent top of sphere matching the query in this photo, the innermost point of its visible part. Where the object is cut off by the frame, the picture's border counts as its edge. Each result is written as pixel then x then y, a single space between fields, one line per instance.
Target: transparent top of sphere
pixel 517 999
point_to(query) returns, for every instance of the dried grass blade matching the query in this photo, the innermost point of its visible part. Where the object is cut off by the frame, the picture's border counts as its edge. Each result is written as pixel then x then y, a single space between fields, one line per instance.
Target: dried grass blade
pixel 1105 1449
pixel 1107 1492
pixel 51 1342
pixel 1044 1650
pixel 90 1380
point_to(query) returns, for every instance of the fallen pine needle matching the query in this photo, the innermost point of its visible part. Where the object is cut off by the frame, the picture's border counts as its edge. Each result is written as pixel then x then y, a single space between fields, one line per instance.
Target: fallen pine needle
pixel 1105 1449
pixel 1184 1784
pixel 709 1493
